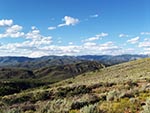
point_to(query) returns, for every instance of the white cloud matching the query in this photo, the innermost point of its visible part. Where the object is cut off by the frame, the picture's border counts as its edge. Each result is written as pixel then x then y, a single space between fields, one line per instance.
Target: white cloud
pixel 6 22
pixel 69 21
pixel 101 49
pixel 89 44
pixel 36 44
pixel 133 40
pixel 70 43
pixel 107 44
pixel 36 48
pixel 92 39
pixel 37 39
pixel 145 33
pixel 144 44
pixel 38 54
pixel 33 27
pixel 14 29
pixel 123 35
pixel 146 51
pixel 96 37
pixel 94 16
pixel 34 34
pixel 51 28
pixel 13 32
pixel 3 35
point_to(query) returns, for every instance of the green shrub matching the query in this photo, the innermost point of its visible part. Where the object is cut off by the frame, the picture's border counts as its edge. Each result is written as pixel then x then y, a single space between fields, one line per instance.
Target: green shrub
pixel 78 105
pixel 55 106
pixel 41 95
pixel 71 91
pixel 90 109
pixel 112 95
pixel 146 108
pixel 14 110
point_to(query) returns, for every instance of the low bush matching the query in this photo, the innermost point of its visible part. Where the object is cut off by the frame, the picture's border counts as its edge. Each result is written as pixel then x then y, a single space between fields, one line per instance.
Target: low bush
pixel 90 109
pixel 146 107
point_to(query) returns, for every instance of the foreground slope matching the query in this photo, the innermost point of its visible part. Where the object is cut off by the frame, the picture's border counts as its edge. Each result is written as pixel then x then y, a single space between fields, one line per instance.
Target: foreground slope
pixel 123 88
pixel 134 70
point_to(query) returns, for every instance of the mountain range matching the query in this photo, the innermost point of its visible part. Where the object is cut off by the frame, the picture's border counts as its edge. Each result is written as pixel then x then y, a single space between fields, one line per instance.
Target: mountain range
pixel 35 63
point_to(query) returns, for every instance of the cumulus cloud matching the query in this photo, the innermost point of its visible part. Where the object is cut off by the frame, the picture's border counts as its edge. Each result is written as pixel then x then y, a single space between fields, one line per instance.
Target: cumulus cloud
pixel 37 39
pixel 123 35
pixel 33 27
pixel 69 21
pixel 14 28
pixel 70 43
pixel 34 34
pixel 89 44
pixel 144 44
pixel 133 40
pixel 35 44
pixel 101 49
pixel 146 51
pixel 6 22
pixel 35 49
pixel 96 37
pixel 51 28
pixel 13 32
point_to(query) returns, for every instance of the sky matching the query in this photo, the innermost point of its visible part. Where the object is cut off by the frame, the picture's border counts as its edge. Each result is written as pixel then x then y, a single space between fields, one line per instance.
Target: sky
pixel 35 28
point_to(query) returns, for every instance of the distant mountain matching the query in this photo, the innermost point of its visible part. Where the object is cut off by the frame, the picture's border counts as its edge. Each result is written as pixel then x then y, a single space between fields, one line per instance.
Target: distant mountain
pixel 45 61
pixel 36 63
pixel 13 60
pixel 109 60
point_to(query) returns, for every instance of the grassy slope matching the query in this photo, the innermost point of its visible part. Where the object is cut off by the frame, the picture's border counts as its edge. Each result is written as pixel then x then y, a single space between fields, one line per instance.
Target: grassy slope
pixel 133 70
pixel 122 88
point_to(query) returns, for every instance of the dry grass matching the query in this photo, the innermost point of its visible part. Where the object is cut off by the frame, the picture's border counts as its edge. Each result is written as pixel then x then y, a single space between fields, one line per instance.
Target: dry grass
pixel 122 88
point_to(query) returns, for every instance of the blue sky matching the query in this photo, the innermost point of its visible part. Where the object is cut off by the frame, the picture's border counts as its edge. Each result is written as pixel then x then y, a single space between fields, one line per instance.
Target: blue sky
pixel 37 28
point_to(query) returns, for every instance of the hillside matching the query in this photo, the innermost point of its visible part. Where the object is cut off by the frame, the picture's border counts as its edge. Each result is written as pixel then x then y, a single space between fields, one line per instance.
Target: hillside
pixel 122 88
pixel 14 80
pixel 49 73
pixel 60 72
pixel 15 73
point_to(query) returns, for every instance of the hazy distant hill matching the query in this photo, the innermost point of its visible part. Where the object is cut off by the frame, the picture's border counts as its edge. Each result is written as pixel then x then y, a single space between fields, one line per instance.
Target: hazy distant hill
pixel 35 63
pixel 13 60
pixel 109 60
